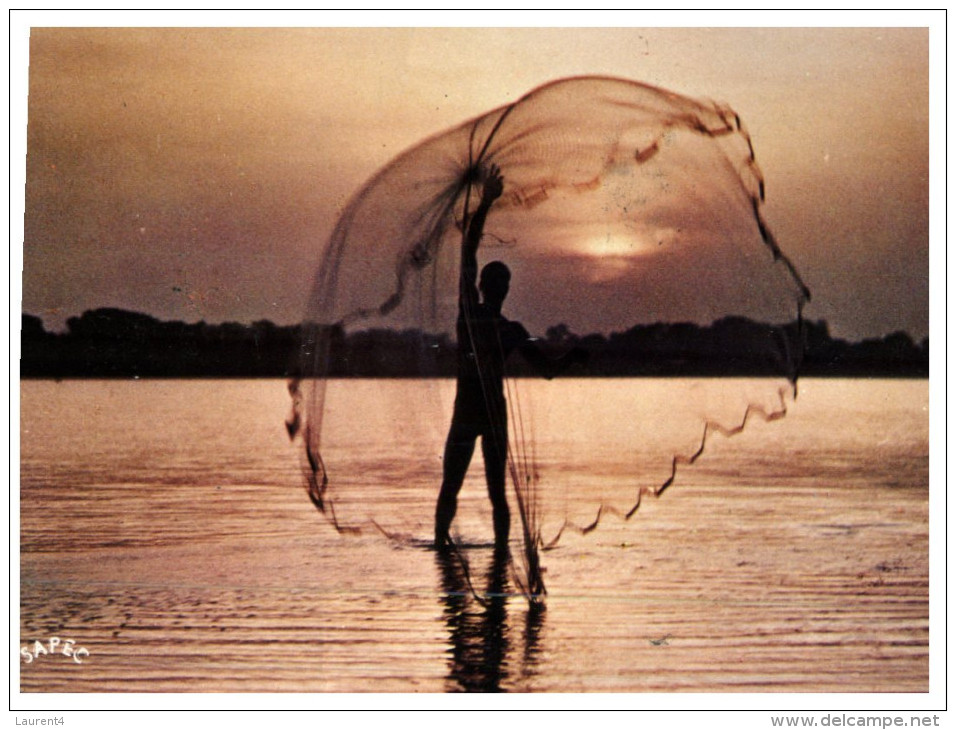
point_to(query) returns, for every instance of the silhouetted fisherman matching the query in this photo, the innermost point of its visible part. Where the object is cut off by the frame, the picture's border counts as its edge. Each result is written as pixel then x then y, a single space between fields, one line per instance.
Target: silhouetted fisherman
pixel 485 340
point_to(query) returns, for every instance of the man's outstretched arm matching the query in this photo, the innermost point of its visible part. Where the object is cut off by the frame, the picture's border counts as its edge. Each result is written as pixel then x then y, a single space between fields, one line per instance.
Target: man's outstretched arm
pixel 551 367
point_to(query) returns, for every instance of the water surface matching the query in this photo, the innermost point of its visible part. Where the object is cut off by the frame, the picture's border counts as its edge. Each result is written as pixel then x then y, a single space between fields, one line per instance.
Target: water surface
pixel 164 527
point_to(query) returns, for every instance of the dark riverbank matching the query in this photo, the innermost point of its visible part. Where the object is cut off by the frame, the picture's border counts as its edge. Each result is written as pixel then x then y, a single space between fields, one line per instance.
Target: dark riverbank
pixel 114 343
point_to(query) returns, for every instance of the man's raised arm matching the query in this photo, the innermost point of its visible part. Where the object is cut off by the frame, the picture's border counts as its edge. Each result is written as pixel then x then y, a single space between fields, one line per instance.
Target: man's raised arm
pixel 469 250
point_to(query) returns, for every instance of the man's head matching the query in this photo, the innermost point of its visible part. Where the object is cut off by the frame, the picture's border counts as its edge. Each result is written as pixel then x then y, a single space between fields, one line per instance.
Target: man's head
pixel 494 282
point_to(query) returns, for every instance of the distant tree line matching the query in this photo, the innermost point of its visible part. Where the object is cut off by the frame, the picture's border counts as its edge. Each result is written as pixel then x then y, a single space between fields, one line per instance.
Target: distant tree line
pixel 114 343
pixel 108 343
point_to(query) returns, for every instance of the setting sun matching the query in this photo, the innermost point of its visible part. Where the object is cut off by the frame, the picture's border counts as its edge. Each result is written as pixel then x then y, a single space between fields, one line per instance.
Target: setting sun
pixel 625 244
pixel 614 245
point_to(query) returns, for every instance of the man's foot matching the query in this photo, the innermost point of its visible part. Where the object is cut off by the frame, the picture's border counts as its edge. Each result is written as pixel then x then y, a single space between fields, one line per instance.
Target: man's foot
pixel 443 541
pixel 502 551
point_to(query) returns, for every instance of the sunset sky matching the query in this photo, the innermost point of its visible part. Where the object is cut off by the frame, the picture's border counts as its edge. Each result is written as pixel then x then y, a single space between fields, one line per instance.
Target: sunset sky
pixel 195 173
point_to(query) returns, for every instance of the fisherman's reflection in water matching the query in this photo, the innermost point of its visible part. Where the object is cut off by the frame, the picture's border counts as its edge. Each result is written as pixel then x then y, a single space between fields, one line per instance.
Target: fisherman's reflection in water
pixel 484 653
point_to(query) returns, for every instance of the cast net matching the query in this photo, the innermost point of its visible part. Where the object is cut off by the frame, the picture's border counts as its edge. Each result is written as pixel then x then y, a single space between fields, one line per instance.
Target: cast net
pixel 631 220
